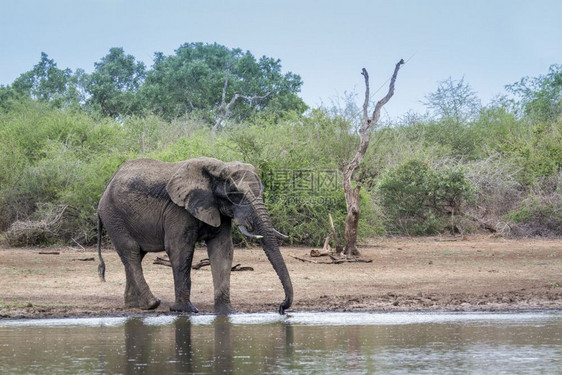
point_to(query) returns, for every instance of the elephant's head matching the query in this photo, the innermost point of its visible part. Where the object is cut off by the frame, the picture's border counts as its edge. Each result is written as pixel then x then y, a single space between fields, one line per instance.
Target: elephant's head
pixel 208 187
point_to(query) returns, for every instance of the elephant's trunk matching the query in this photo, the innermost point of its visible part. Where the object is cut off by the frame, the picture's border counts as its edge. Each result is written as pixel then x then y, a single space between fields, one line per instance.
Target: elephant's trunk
pixel 262 225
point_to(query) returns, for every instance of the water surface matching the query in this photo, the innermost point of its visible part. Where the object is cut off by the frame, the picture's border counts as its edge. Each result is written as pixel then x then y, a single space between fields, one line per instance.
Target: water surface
pixel 300 343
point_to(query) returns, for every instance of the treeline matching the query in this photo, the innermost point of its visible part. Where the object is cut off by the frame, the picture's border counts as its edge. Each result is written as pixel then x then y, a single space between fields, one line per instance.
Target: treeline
pixel 462 167
pixel 191 81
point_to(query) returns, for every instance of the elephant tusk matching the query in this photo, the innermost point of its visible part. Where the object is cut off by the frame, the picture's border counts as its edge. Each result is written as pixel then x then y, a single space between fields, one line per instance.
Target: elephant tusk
pixel 280 235
pixel 248 234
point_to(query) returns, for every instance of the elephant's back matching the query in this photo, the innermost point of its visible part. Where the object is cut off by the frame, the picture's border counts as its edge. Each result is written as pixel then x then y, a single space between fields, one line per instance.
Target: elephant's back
pixel 144 171
pixel 149 169
pixel 139 179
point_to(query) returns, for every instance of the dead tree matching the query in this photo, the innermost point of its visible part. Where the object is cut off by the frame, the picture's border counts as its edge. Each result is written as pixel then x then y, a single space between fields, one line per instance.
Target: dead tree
pixel 224 107
pixel 352 193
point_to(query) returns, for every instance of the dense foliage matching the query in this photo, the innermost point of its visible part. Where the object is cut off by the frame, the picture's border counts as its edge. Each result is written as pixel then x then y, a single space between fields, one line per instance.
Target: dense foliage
pixel 461 167
pixel 420 199
pixel 189 82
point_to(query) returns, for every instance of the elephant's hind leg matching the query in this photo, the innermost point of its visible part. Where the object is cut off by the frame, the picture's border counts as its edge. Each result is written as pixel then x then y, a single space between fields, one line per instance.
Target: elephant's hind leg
pixel 137 292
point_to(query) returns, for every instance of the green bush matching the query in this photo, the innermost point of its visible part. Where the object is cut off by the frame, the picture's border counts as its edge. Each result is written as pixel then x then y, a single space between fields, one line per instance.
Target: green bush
pixel 540 213
pixel 57 157
pixel 418 199
pixel 538 151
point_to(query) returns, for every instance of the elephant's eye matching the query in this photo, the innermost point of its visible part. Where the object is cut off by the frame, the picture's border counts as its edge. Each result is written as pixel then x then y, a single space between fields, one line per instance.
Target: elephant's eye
pixel 235 196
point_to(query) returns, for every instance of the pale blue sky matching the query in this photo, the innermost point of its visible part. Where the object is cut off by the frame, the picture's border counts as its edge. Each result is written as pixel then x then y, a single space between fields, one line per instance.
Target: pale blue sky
pixel 490 43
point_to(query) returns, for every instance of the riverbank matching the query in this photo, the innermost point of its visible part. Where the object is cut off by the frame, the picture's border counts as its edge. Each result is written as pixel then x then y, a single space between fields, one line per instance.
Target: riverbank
pixel 421 274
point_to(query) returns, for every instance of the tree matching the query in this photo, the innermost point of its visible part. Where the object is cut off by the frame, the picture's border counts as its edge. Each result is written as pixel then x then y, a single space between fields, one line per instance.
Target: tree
pixel 541 97
pixel 193 81
pixel 453 100
pixel 351 193
pixel 114 84
pixel 47 83
pixel 455 108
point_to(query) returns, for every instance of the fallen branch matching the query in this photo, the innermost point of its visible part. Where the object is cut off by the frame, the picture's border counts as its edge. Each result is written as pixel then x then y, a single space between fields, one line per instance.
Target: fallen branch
pixel 339 248
pixel 84 259
pixel 239 268
pixel 319 253
pixel 35 232
pixel 304 260
pixel 49 252
pixel 351 260
pixel 335 260
pixel 162 261
pixel 76 242
pixel 202 263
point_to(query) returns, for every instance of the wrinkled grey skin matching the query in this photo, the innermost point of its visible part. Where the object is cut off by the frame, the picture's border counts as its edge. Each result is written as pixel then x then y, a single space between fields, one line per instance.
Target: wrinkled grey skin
pixel 151 206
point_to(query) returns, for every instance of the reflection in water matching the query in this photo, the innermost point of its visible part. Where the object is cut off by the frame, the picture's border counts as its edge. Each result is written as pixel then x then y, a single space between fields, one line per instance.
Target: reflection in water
pixel 184 352
pixel 223 356
pixel 301 343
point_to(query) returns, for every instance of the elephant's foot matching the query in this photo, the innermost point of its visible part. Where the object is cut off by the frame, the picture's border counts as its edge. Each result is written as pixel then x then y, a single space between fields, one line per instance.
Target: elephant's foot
pixel 184 307
pixel 149 303
pixel 223 309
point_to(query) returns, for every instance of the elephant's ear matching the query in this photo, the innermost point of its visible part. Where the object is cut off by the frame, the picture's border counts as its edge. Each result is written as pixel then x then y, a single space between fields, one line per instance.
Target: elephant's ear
pixel 190 187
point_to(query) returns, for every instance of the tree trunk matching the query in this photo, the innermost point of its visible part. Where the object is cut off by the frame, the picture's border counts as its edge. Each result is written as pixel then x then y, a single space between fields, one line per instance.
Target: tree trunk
pixel 352 222
pixel 352 194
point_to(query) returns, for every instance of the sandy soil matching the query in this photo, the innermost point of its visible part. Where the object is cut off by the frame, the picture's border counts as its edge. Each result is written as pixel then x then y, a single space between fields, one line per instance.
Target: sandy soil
pixel 477 273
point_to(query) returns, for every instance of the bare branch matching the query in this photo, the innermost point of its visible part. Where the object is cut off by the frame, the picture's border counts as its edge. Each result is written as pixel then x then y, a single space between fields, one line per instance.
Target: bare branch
pixel 368 123
pixel 367 94
pixel 383 101
pixel 230 103
pixel 221 109
pixel 224 108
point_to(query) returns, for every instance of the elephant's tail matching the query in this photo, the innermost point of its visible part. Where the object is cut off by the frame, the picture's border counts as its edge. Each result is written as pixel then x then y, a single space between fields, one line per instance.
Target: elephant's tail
pixel 101 266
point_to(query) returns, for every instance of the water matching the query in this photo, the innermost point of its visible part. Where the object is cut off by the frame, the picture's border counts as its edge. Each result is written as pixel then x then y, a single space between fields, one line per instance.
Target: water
pixel 300 343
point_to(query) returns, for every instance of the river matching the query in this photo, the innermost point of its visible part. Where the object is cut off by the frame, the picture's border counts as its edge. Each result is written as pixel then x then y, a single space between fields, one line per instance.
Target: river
pixel 297 343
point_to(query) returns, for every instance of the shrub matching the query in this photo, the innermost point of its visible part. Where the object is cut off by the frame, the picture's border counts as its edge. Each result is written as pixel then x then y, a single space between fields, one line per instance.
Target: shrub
pixel 497 191
pixel 418 199
pixel 540 214
pixel 43 228
pixel 51 156
pixel 538 152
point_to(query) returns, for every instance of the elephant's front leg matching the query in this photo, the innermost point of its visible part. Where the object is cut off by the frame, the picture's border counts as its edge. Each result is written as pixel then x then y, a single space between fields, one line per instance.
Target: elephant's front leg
pixel 220 252
pixel 181 258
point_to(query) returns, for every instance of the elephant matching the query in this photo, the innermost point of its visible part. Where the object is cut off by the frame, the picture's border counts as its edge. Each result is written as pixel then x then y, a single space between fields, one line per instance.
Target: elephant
pixel 151 206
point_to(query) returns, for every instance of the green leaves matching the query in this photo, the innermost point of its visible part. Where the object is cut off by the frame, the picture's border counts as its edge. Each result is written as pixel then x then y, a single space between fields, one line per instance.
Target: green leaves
pixel 454 101
pixel 191 81
pixel 419 199
pixel 114 84
pixel 541 97
pixel 47 83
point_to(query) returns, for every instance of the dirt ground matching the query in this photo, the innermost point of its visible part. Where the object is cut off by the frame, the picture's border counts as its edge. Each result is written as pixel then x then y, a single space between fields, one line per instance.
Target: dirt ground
pixel 439 274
